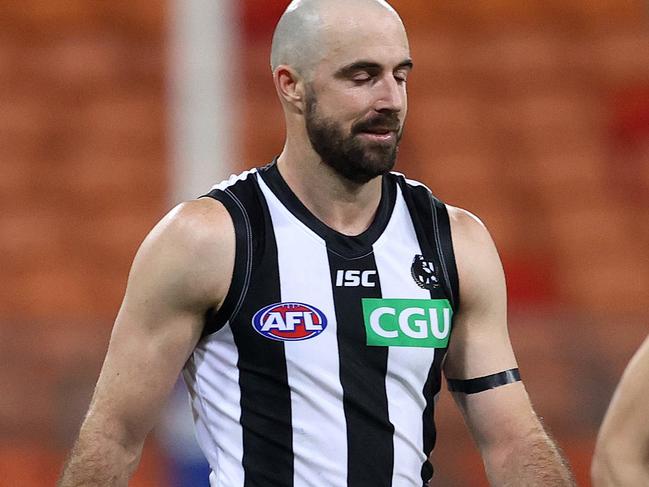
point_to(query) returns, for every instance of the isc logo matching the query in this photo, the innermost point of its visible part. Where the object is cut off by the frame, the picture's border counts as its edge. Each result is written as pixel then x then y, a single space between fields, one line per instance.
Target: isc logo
pixel 355 278
pixel 407 322
pixel 289 321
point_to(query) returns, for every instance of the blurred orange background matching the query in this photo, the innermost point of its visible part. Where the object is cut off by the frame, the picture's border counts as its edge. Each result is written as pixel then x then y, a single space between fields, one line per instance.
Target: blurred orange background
pixel 533 115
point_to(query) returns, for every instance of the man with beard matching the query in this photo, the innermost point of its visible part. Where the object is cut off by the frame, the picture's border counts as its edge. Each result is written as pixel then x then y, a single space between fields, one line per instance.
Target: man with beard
pixel 310 302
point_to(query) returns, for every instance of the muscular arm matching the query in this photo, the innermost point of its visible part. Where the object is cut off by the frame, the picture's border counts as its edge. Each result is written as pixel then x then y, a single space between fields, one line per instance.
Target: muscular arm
pixel 622 452
pixel 515 448
pixel 182 268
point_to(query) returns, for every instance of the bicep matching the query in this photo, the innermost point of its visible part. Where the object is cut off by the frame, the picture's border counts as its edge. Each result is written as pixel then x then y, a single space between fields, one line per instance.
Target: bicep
pixel 479 344
pixel 141 366
pixel 159 323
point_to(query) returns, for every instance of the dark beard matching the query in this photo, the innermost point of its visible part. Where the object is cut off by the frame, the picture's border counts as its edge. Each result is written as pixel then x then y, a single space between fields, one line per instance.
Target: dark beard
pixel 352 158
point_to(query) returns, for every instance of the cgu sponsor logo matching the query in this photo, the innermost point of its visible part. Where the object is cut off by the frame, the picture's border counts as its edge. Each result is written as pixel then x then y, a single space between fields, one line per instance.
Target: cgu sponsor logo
pixel 407 322
pixel 288 322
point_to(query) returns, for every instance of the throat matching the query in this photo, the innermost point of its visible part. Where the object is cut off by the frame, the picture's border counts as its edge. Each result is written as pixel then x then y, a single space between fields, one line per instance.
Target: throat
pixel 342 206
pixel 350 227
pixel 350 217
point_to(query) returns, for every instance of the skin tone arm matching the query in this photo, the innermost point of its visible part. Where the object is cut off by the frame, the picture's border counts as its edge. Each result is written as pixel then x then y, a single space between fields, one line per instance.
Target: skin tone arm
pixel 182 269
pixel 622 452
pixel 515 449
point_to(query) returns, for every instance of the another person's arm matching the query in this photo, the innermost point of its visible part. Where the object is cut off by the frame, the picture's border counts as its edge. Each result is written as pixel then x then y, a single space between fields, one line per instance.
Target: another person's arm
pixel 622 452
pixel 515 448
pixel 182 269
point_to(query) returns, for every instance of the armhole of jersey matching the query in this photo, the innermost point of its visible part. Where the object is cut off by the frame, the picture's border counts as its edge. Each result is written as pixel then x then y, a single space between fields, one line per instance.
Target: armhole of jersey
pixel 444 239
pixel 216 319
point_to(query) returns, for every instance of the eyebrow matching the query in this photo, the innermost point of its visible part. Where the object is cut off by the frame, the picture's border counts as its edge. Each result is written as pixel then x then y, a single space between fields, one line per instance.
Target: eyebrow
pixel 370 66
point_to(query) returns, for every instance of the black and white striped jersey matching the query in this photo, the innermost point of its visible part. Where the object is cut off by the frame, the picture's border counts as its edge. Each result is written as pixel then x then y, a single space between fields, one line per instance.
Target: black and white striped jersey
pixel 323 364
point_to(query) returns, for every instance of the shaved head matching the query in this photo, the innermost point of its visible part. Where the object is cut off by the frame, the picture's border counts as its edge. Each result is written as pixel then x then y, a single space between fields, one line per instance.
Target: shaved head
pixel 300 38
pixel 340 69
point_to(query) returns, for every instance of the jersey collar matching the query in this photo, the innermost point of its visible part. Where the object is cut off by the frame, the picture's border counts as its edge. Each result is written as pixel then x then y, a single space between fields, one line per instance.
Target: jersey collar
pixel 344 245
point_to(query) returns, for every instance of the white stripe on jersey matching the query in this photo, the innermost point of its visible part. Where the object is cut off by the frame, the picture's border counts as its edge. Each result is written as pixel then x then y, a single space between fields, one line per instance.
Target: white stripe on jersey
pixel 408 367
pixel 215 392
pixel 317 412
pixel 233 179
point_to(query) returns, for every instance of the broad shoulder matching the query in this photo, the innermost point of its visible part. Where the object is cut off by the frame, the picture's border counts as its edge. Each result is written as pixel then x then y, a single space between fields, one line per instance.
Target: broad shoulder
pixel 468 228
pixel 479 268
pixel 190 253
pixel 197 225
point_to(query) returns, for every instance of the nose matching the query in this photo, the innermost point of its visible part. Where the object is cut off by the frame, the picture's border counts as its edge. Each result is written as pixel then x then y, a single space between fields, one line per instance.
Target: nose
pixel 391 95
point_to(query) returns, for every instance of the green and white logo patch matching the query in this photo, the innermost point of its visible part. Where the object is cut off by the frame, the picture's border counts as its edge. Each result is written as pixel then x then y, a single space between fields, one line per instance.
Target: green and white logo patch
pixel 407 322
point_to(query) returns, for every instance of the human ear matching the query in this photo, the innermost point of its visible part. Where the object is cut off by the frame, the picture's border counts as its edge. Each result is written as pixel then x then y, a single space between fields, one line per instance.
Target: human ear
pixel 290 87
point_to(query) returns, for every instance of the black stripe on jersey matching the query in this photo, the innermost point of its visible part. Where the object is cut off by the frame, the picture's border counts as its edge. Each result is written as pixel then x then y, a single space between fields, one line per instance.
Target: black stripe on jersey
pixel 370 449
pixel 215 320
pixel 445 249
pixel 431 389
pixel 432 231
pixel 263 377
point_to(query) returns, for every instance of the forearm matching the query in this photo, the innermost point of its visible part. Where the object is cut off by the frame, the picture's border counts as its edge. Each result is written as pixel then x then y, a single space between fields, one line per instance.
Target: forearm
pixel 533 460
pixel 99 459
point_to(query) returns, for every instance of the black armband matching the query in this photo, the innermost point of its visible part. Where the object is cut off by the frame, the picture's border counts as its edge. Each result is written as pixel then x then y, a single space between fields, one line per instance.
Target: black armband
pixel 479 384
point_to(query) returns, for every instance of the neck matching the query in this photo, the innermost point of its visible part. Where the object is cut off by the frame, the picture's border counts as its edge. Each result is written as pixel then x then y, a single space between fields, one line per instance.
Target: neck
pixel 342 205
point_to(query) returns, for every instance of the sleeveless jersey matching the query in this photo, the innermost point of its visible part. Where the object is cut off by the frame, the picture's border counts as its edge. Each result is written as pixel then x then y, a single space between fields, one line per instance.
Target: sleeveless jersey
pixel 322 366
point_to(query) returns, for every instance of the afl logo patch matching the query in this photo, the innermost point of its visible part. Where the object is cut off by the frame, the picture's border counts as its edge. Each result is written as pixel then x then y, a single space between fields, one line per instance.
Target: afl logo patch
pixel 289 322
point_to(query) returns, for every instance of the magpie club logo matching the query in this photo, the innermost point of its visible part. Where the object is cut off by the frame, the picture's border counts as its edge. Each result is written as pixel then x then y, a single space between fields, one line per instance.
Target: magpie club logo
pixel 423 272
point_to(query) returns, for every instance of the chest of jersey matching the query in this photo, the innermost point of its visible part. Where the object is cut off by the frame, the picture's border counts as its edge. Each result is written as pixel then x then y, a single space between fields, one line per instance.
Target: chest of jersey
pixel 328 296
pixel 334 346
